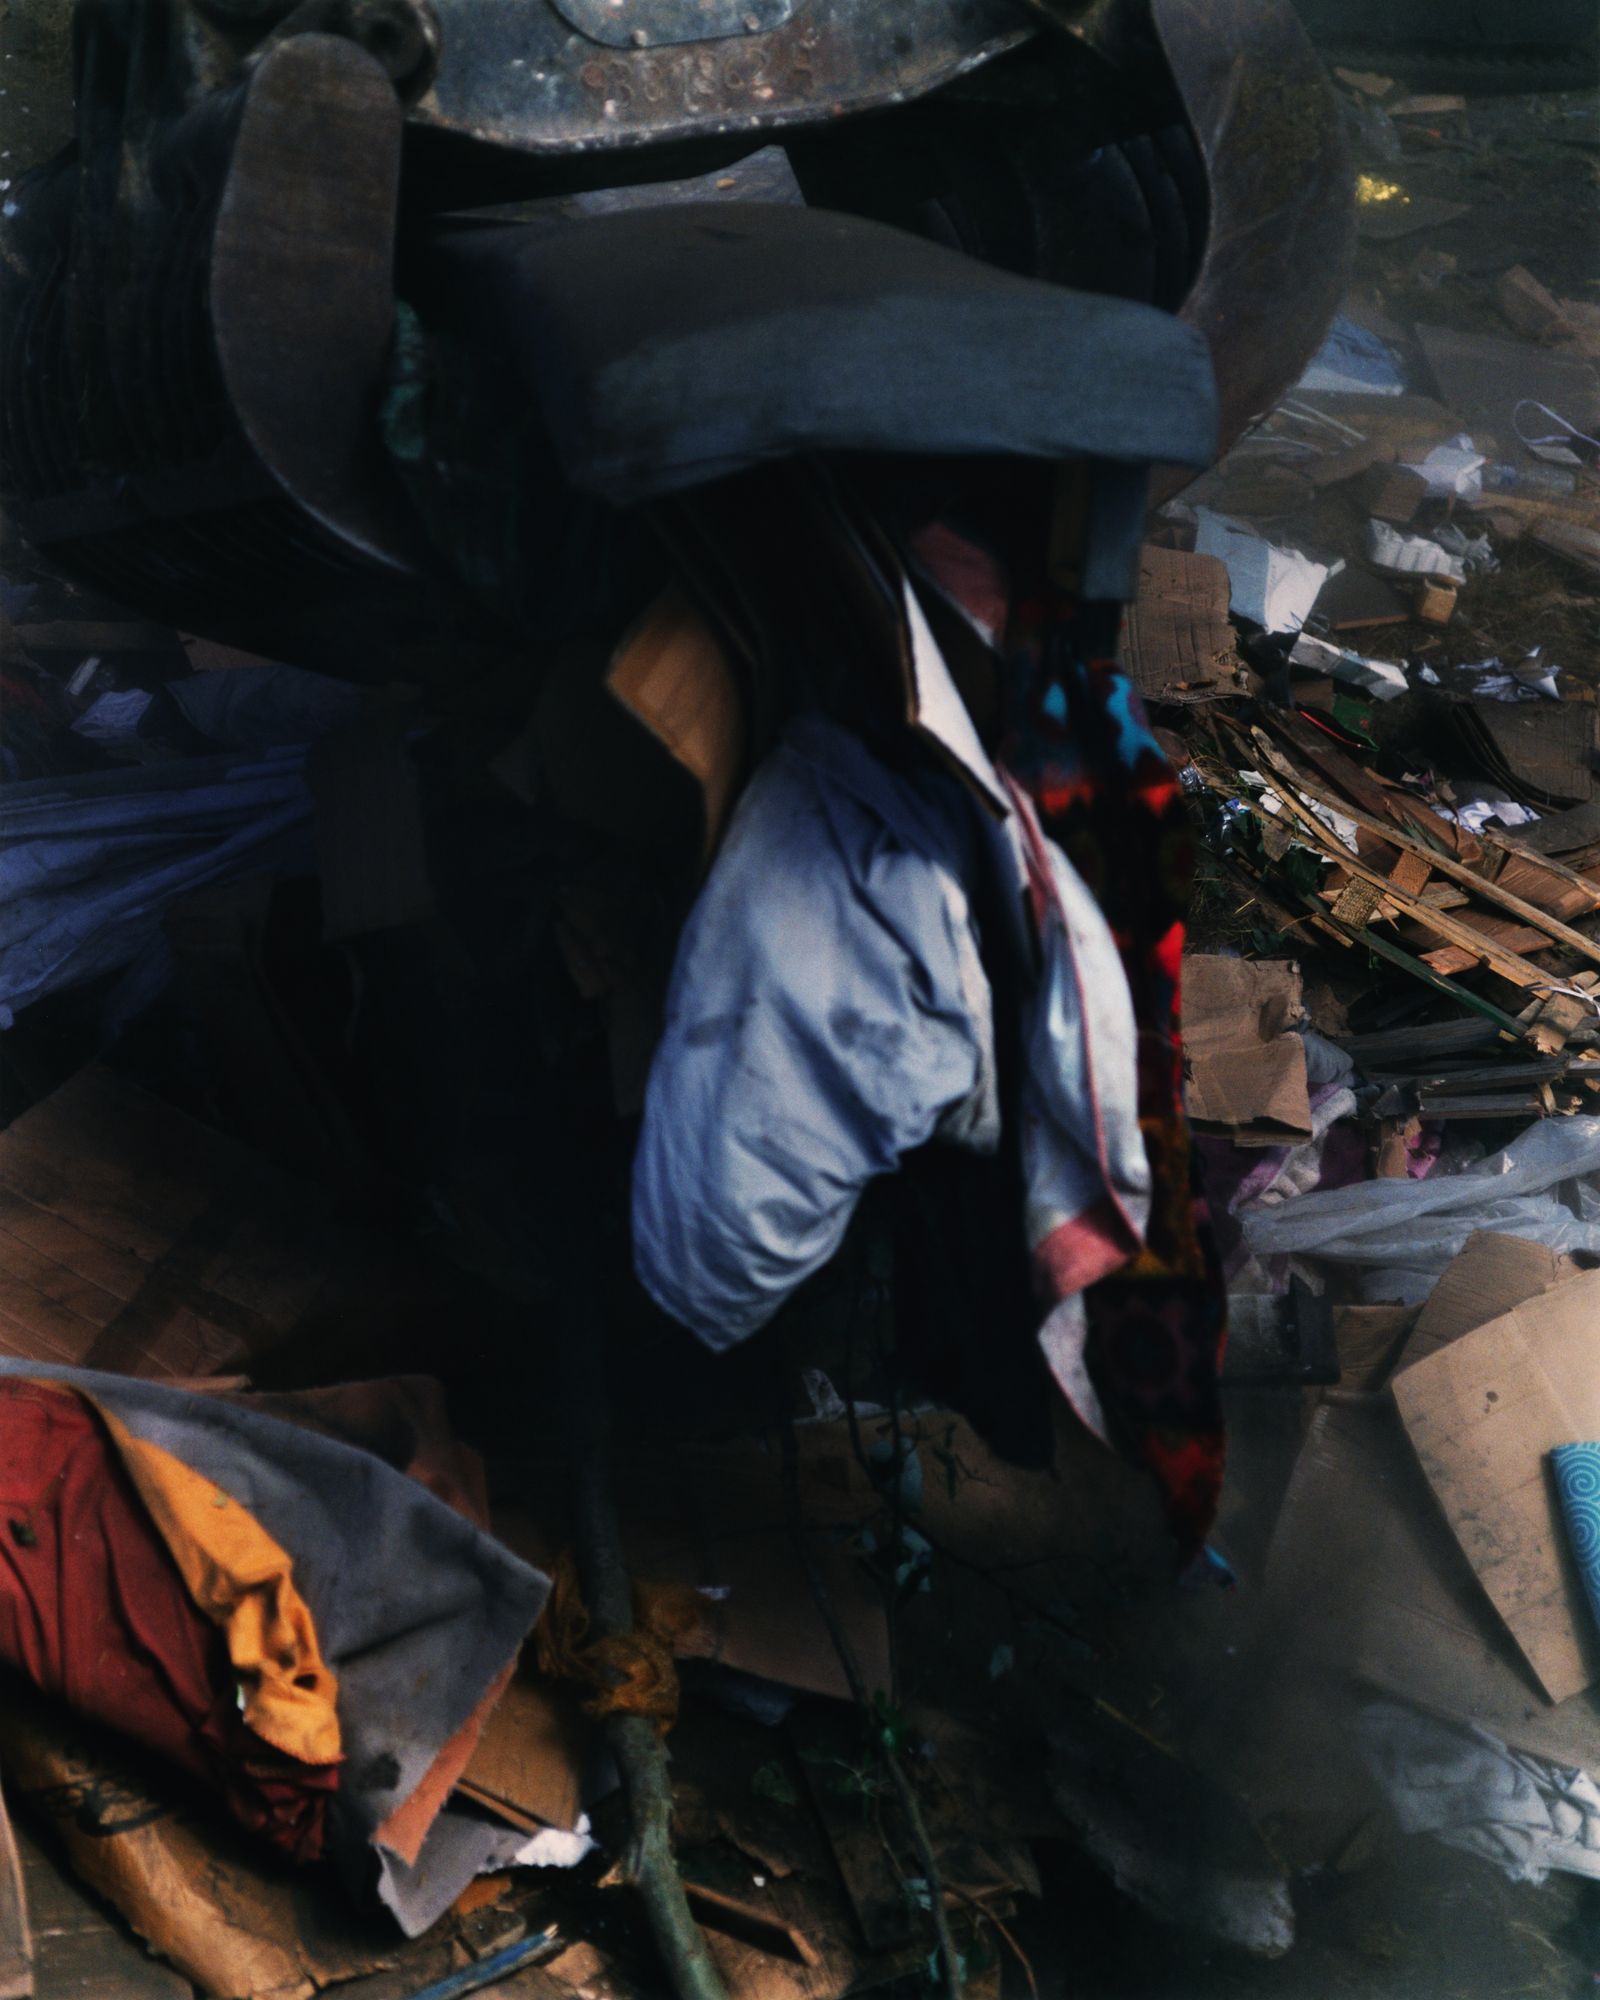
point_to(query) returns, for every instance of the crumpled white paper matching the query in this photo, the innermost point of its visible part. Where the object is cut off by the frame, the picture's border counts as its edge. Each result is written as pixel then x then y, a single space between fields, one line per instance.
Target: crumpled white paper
pixel 1272 587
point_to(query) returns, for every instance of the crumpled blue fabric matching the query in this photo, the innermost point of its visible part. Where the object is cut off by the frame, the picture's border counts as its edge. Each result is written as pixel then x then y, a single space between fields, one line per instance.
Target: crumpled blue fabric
pixel 90 863
pixel 1577 1471
pixel 828 1012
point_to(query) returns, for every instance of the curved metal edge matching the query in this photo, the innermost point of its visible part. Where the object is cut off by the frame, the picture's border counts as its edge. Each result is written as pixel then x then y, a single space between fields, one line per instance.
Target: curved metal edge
pixel 302 282
pixel 1281 240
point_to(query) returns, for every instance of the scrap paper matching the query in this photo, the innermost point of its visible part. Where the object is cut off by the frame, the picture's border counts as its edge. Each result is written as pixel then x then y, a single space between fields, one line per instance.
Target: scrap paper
pixel 1274 588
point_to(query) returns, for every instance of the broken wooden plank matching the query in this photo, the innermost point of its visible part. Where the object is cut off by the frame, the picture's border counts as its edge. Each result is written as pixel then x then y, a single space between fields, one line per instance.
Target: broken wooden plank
pixel 1537 1103
pixel 1537 919
pixel 764 1930
pixel 1411 871
pixel 1514 970
pixel 1177 639
pixel 1422 1043
pixel 1463 996
pixel 1356 783
pixel 1550 886
pixel 1509 936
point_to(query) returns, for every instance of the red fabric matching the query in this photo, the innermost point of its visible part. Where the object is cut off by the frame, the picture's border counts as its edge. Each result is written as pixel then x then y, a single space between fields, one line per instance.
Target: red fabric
pixel 1079 743
pixel 92 1609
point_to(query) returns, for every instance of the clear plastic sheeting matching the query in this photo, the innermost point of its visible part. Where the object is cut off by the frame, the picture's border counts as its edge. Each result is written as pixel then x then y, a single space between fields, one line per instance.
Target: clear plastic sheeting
pixel 1403 1232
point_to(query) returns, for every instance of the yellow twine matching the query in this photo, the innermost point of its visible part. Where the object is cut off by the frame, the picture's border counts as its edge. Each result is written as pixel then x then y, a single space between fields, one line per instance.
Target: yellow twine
pixel 628 1673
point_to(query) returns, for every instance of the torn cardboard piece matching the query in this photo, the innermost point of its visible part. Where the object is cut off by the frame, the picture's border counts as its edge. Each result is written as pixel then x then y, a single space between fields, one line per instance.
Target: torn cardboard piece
pixel 527 1765
pixel 1247 1066
pixel 237 1922
pixel 1490 1275
pixel 1484 1413
pixel 1355 599
pixel 1177 641
pixel 1369 1341
pixel 713 1520
pixel 1366 1587
pixel 674 677
pixel 1541 750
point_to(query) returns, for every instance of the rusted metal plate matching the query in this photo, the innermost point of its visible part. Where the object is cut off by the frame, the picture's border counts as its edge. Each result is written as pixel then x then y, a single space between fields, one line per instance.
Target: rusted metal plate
pixel 516 73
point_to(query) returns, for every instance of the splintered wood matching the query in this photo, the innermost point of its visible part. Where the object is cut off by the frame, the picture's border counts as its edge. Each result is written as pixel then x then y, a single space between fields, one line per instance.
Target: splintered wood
pixel 1436 901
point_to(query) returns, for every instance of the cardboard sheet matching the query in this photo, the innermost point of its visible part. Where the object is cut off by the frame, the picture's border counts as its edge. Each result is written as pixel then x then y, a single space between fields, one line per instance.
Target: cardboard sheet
pixel 1540 750
pixel 1177 641
pixel 1353 599
pixel 1367 1587
pixel 1369 1341
pixel 1247 1066
pixel 673 675
pixel 1364 1576
pixel 528 1763
pixel 715 1518
pixel 1483 1413
pixel 1490 1276
pixel 233 1918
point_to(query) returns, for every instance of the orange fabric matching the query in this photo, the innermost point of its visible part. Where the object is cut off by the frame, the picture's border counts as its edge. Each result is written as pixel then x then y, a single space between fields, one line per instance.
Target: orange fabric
pixel 404 1831
pixel 243 1582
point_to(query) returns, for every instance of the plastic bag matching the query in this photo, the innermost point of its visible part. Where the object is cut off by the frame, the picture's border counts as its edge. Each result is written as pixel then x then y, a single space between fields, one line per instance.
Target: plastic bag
pixel 1408 1231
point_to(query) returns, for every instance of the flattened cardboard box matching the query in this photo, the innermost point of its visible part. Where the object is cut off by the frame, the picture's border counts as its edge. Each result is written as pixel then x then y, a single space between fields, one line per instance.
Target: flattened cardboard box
pixel 238 1921
pixel 1247 1066
pixel 1365 1575
pixel 1483 1414
pixel 1177 639
pixel 1490 1276
pixel 1367 1583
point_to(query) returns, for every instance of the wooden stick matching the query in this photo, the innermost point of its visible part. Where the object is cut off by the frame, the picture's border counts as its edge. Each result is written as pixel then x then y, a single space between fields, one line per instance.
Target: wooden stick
pixel 949 1961
pixel 602 1568
pixel 1441 982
